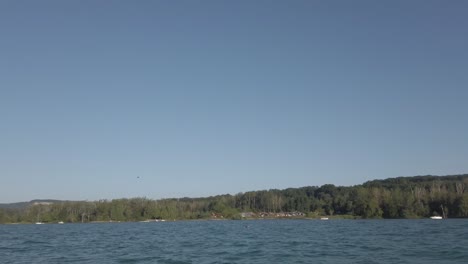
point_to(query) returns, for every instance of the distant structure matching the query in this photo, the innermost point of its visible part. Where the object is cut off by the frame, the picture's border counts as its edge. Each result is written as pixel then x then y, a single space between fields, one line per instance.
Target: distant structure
pixel 42 203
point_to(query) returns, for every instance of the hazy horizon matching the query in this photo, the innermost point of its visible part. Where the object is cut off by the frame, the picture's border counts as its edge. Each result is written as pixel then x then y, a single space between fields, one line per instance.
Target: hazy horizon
pixel 216 194
pixel 166 99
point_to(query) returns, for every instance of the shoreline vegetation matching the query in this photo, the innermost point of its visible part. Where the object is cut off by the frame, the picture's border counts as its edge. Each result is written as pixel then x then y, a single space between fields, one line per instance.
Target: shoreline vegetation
pixel 393 198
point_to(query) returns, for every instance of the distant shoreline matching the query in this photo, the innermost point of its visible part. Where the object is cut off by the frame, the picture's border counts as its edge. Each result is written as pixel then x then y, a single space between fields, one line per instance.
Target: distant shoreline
pixel 394 198
pixel 329 218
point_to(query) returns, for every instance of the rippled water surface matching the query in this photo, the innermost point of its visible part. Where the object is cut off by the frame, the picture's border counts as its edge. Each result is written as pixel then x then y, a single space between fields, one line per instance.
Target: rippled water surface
pixel 256 241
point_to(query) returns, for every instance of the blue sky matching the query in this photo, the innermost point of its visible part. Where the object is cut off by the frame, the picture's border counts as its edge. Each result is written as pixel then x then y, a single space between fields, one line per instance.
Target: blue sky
pixel 200 98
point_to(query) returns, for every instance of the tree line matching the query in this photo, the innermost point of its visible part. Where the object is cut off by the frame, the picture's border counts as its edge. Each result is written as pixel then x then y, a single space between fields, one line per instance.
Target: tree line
pixel 403 197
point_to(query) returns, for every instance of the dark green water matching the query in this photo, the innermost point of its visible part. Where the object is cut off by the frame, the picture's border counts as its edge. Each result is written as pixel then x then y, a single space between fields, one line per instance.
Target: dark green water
pixel 262 241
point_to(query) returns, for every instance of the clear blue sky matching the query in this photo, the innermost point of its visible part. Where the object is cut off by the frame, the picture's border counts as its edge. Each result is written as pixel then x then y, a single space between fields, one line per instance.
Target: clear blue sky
pixel 199 98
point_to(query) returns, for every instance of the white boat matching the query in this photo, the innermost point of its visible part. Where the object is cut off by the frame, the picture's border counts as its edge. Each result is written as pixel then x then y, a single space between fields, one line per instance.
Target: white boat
pixel 436 217
pixel 39 223
pixel 323 218
pixel 61 222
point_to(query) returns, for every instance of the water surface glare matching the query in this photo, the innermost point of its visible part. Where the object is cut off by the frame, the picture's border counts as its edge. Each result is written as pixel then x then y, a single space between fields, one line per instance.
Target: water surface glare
pixel 255 241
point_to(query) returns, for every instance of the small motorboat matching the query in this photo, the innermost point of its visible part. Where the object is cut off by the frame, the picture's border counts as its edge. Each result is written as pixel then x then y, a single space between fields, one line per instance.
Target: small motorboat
pixel 436 217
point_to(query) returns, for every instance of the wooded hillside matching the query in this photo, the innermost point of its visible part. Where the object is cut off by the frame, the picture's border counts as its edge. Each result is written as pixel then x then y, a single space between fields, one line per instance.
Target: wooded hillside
pixel 403 197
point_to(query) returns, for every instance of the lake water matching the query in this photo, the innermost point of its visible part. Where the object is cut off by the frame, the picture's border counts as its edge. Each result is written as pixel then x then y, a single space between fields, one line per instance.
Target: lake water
pixel 255 241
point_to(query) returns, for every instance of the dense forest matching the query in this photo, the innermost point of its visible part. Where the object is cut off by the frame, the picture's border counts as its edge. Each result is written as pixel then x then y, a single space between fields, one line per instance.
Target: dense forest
pixel 403 197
